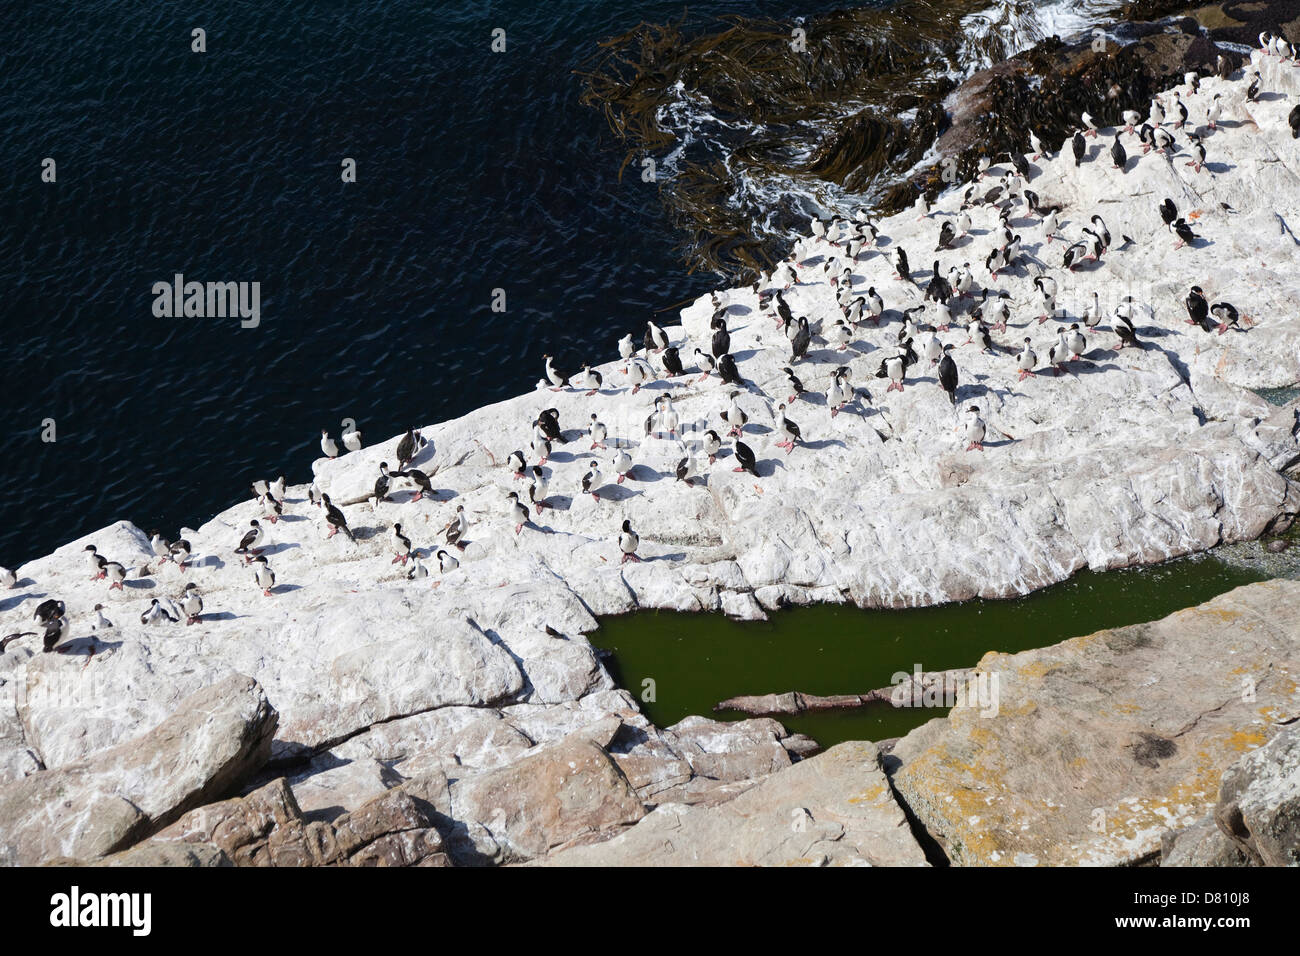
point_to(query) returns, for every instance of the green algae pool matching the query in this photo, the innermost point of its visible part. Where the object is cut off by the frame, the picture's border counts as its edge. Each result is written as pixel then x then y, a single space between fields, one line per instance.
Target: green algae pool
pixel 697 660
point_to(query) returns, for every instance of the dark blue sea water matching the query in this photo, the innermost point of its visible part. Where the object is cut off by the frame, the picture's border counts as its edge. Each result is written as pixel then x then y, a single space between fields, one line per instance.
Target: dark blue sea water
pixel 475 171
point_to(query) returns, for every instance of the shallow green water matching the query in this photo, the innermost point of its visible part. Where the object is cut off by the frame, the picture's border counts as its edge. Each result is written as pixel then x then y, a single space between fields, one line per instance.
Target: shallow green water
pixel 697 660
pixel 1279 396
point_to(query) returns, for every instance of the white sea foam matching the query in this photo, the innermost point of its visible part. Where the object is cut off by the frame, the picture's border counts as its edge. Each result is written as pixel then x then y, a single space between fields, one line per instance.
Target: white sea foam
pixel 774 201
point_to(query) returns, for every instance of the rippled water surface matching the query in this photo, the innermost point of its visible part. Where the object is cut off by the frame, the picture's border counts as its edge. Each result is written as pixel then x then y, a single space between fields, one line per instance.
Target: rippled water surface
pixel 476 171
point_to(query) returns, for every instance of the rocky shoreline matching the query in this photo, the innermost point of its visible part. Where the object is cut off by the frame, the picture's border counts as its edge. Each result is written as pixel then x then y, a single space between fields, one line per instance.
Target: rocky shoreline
pixel 356 716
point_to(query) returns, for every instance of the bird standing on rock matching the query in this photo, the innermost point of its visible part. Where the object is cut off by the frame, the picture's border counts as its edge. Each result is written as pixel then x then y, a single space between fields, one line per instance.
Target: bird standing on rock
pixel 622 464
pixel 1198 153
pixel 383 484
pixel 839 393
pixel 1075 342
pixel 1124 329
pixel 248 544
pixel 454 532
pixel 628 541
pixel 1046 287
pixel 1059 353
pixel 745 458
pixel 156 612
pixel 263 576
pixel 115 573
pixel 1026 360
pixel 706 363
pixel 541 445
pixel 1214 111
pixel 409 447
pixel 638 373
pixel 589 379
pixel 423 486
pixel 328 445
pixel 48 610
pixel 656 339
pixel 515 462
pixel 1227 315
pixel 335 520
pixel 1198 308
pixel 686 469
pixel 1168 213
pixel 556 379
pixel 734 416
pixel 796 386
pixel 1036 145
pixel 787 429
pixel 903 269
pixel 538 488
pixel 712 445
pixel 801 340
pixel 191 604
pixel 895 367
pixel 721 341
pixel 975 429
pixel 948 375
pixel 598 433
pixel 668 417
pixel 517 511
pixel 1184 233
pixel 728 372
pixel 402 544
pixel 591 481
pixel 947 233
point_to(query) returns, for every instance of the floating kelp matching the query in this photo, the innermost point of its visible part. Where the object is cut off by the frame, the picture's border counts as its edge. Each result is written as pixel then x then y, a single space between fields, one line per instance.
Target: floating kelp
pixel 754 133
pixel 759 132
pixel 760 127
